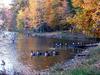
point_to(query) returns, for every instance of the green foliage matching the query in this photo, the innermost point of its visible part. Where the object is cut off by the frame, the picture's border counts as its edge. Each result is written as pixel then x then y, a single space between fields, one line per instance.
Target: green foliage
pixel 80 71
pixel 77 71
pixel 20 24
pixel 84 71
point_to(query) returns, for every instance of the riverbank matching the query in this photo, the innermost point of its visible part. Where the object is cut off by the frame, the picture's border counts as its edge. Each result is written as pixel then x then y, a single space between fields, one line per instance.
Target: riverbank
pixel 61 35
pixel 66 35
pixel 85 63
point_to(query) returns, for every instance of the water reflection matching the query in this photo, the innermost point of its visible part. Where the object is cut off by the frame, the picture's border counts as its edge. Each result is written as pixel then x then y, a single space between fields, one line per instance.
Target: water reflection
pixel 17 54
pixel 25 45
pixel 8 54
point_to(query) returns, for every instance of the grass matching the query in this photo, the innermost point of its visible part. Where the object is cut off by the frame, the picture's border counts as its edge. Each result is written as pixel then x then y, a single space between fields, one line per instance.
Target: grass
pixel 78 71
pixel 85 71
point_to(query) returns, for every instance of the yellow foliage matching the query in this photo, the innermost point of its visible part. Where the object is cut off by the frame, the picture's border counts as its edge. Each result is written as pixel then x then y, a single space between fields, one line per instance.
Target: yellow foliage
pixel 21 15
pixel 88 19
pixel 96 15
pixel 86 4
pixel 43 11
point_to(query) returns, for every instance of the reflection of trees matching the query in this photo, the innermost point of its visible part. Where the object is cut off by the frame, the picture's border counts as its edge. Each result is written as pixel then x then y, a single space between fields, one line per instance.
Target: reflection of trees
pixel 3 19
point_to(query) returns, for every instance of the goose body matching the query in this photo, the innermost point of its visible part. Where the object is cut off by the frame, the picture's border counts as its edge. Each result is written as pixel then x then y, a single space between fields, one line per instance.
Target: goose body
pixel 47 53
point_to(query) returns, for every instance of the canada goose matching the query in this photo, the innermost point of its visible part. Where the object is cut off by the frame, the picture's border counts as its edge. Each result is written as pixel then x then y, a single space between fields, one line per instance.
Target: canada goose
pixel 46 54
pixel 36 53
pixel 54 53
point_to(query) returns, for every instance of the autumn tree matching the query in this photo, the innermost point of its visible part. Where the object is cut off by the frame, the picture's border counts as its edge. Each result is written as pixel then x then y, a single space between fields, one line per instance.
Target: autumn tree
pixel 50 11
pixel 87 18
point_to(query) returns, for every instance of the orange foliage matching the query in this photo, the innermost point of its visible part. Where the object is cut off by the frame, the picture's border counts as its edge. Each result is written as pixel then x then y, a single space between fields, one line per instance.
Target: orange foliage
pixel 88 20
pixel 43 11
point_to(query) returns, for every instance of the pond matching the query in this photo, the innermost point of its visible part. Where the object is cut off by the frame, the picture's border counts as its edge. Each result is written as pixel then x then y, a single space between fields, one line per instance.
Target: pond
pixel 25 45
pixel 17 54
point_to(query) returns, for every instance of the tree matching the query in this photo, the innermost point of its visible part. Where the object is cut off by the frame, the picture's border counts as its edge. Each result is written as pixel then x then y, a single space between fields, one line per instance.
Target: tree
pixel 88 18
